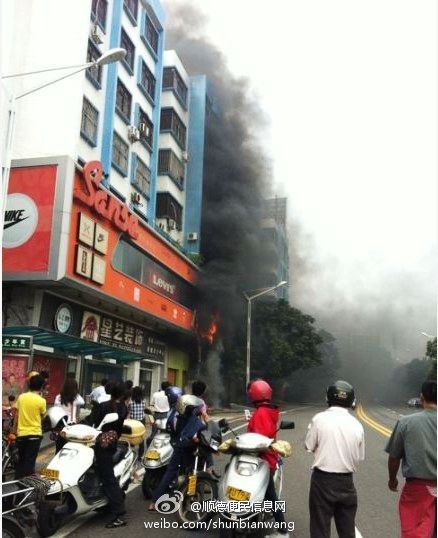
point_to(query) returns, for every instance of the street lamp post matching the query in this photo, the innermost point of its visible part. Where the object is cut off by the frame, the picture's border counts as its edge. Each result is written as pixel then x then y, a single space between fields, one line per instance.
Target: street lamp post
pixel 110 56
pixel 248 323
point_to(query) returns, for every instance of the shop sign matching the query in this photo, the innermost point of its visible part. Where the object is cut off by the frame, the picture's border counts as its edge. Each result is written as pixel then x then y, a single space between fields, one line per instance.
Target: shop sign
pixel 90 326
pixel 63 318
pixel 17 342
pixel 103 203
pixel 21 219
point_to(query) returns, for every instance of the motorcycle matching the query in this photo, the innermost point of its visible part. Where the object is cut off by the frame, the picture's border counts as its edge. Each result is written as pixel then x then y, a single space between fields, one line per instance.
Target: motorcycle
pixel 247 476
pixel 9 449
pixel 75 485
pixel 195 483
pixel 156 458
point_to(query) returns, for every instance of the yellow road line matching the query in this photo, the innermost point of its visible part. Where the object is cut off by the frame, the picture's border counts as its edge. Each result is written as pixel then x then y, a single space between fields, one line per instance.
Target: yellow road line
pixel 372 423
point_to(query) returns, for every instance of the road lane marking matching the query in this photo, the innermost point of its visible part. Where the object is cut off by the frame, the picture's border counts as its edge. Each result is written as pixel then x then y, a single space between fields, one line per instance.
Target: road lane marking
pixel 357 533
pixel 372 423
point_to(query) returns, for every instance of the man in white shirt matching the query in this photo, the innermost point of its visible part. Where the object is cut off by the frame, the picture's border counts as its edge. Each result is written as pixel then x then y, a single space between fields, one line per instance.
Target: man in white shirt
pixel 159 404
pixel 98 392
pixel 336 440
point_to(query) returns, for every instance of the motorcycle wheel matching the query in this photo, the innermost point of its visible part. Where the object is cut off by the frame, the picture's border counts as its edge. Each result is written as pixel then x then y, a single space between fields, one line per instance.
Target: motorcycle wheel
pixel 48 522
pixel 151 479
pixel 11 528
pixel 206 490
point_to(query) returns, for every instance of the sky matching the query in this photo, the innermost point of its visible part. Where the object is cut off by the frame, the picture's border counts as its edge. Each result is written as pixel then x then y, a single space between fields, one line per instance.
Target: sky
pixel 349 92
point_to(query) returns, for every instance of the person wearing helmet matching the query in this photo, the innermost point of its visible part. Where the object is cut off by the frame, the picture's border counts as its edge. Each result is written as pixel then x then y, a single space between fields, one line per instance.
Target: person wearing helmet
pixel 264 420
pixel 336 440
pixel 27 426
pixel 173 393
pixel 188 425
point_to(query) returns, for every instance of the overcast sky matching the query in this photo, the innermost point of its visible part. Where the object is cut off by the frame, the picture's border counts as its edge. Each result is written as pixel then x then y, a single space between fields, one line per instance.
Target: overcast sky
pixel 349 89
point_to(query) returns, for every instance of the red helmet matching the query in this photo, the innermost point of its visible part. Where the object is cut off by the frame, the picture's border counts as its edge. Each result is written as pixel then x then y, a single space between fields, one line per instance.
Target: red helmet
pixel 259 391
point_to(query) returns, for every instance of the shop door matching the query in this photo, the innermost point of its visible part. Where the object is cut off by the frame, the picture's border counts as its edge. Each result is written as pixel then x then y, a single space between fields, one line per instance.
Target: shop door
pixel 95 372
pixel 56 368
pixel 171 375
pixel 145 383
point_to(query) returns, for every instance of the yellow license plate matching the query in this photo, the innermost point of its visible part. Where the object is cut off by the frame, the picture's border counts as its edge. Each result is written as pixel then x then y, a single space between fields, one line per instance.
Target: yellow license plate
pixel 238 494
pixel 53 474
pixel 191 489
pixel 152 455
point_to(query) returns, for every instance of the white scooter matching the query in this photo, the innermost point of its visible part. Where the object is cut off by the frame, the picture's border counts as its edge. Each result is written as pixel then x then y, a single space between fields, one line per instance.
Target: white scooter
pixel 246 479
pixel 75 485
pixel 156 458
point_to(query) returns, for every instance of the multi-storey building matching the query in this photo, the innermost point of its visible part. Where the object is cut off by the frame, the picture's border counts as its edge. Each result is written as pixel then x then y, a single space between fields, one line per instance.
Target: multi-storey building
pixel 276 251
pixel 99 289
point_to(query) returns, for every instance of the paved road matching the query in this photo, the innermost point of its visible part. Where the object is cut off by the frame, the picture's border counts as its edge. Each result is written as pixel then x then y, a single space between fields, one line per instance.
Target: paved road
pixel 377 513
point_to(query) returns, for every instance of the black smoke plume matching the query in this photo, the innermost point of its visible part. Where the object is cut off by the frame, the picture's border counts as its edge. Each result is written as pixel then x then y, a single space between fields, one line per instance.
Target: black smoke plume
pixel 236 175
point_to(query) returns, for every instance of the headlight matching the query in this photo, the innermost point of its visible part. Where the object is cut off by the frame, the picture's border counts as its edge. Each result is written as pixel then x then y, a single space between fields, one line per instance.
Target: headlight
pixel 158 443
pixel 246 469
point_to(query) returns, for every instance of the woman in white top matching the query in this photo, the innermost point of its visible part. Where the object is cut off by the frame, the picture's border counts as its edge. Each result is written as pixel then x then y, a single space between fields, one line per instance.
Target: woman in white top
pixel 71 401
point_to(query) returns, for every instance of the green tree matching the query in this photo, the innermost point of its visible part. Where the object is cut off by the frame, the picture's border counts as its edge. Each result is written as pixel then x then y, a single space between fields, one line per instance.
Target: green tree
pixel 283 340
pixel 431 357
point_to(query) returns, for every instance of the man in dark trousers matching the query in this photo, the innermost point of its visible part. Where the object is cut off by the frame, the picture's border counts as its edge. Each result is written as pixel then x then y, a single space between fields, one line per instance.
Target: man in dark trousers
pixel 336 440
pixel 413 443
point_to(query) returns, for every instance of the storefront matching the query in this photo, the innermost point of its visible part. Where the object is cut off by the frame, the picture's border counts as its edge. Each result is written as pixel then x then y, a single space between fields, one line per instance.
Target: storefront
pixel 116 296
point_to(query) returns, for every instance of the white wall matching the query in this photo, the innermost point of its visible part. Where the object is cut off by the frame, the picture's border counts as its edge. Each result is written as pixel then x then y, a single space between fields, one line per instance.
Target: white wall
pixel 43 35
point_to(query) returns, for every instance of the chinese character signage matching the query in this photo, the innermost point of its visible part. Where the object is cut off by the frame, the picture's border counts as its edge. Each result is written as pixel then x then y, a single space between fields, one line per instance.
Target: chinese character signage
pixel 90 326
pixel 17 342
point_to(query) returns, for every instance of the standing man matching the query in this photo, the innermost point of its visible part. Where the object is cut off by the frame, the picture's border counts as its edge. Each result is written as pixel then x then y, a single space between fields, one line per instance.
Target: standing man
pixel 27 426
pixel 160 406
pixel 413 442
pixel 98 392
pixel 336 440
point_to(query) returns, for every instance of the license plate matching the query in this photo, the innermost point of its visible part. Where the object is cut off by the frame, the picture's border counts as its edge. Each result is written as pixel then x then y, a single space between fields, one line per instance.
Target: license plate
pixel 53 474
pixel 152 455
pixel 238 494
pixel 191 489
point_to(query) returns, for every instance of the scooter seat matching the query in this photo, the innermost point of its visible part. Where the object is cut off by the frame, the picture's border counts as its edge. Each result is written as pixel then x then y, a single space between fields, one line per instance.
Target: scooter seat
pixel 119 454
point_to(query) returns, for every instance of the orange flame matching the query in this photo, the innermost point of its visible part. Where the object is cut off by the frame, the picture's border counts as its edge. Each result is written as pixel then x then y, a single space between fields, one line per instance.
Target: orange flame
pixel 210 332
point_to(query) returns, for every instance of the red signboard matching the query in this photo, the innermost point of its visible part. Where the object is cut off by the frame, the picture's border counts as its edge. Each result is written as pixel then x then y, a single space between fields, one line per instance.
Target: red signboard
pixel 15 365
pixel 28 219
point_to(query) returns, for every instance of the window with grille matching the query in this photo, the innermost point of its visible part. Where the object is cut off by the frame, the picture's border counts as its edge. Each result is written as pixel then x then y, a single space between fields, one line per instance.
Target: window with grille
pixel 172 80
pixel 99 9
pixel 132 7
pixel 146 128
pixel 120 154
pixel 169 164
pixel 142 177
pixel 170 121
pixel 123 101
pixel 147 80
pixel 127 44
pixel 169 208
pixel 94 73
pixel 89 122
pixel 151 34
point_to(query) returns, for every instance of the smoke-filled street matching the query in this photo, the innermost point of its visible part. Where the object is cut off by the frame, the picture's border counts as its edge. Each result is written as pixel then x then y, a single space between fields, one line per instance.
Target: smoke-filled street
pixel 377 514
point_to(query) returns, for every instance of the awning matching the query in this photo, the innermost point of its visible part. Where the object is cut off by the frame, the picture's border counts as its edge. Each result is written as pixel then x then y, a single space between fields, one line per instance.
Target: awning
pixel 73 344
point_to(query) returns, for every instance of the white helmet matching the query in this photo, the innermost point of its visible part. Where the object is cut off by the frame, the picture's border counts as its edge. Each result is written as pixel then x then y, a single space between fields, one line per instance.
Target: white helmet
pixel 189 403
pixel 56 414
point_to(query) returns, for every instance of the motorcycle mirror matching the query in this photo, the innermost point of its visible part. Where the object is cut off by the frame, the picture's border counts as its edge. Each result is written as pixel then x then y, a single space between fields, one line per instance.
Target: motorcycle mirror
pixel 107 419
pixel 223 424
pixel 287 425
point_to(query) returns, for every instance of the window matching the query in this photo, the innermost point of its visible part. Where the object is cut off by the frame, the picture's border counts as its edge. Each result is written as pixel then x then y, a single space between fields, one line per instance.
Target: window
pixel 94 74
pixel 89 122
pixel 140 266
pixel 123 102
pixel 120 154
pixel 142 177
pixel 98 12
pixel 131 7
pixel 151 34
pixel 127 44
pixel 146 128
pixel 147 80
pixel 169 164
pixel 169 208
pixel 170 121
pixel 172 80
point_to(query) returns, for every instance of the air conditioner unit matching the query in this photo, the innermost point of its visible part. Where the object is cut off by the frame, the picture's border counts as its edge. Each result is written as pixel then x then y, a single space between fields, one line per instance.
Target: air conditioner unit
pixel 192 236
pixel 96 34
pixel 135 198
pixel 185 156
pixel 171 224
pixel 133 133
pixel 144 129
